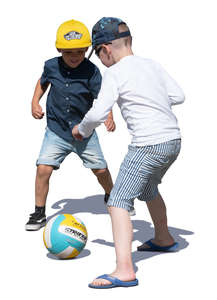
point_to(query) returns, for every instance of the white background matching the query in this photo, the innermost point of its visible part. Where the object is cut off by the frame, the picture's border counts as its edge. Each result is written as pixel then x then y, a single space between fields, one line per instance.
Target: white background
pixel 181 35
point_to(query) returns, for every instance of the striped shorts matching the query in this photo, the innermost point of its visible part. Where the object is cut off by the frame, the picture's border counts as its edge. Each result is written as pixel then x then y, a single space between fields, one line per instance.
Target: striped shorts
pixel 141 172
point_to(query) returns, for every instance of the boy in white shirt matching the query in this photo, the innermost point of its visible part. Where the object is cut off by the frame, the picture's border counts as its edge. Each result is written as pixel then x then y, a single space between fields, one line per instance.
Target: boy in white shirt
pixel 145 93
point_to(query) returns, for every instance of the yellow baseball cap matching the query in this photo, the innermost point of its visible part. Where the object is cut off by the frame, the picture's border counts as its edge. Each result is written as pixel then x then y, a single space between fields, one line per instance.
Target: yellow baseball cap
pixel 72 34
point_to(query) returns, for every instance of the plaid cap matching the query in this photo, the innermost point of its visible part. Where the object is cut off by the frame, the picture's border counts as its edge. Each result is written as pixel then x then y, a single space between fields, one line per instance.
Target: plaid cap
pixel 106 30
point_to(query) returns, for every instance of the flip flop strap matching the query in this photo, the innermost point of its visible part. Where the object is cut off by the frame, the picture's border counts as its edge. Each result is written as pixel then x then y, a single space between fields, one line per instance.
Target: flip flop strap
pixel 156 247
pixel 117 282
pixel 113 280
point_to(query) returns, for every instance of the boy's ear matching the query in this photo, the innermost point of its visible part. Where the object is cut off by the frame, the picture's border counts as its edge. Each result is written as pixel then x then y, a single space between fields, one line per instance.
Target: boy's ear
pixel 106 51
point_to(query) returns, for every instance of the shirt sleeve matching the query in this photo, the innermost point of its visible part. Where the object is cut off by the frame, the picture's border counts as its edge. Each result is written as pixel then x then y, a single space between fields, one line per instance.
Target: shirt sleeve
pixel 107 97
pixel 95 83
pixel 44 77
pixel 175 93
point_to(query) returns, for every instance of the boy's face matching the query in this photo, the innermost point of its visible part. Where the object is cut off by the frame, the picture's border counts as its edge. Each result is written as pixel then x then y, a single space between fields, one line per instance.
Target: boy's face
pixel 73 57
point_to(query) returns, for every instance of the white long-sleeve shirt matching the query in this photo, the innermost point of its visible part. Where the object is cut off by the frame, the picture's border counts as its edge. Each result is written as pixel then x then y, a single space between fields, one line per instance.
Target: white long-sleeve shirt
pixel 144 92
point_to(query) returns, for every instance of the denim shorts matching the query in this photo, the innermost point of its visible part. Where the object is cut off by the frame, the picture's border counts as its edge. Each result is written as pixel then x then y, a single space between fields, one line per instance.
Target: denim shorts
pixel 141 172
pixel 55 149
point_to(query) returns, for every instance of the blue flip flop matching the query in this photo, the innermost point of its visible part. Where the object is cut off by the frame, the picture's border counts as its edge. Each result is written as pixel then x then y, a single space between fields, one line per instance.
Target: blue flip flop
pixel 115 282
pixel 154 247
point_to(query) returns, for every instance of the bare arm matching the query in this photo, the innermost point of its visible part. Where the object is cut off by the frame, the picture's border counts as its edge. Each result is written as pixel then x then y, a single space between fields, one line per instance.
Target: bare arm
pixel 37 112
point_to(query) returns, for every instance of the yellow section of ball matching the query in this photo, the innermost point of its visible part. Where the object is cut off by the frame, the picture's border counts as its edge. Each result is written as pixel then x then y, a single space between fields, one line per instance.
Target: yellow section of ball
pixel 71 221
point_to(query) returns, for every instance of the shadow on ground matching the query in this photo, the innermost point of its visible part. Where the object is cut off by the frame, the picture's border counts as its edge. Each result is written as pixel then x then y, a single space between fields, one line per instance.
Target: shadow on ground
pixel 142 230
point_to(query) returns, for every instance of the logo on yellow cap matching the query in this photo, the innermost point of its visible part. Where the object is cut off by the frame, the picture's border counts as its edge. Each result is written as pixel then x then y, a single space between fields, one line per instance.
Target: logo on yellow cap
pixel 73 35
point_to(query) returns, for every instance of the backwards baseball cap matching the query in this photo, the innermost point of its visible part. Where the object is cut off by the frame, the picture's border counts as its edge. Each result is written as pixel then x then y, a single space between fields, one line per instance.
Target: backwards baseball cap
pixel 106 30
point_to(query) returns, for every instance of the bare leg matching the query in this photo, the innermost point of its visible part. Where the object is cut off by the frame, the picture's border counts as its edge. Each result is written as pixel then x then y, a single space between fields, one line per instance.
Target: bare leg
pixel 104 178
pixel 122 234
pixel 157 211
pixel 42 184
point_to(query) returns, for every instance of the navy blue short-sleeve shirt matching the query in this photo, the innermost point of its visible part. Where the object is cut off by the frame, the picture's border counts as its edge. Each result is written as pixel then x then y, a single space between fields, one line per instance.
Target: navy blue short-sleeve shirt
pixel 71 94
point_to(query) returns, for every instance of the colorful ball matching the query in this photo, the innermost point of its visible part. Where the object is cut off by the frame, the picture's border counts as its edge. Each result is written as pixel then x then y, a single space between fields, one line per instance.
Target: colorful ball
pixel 65 236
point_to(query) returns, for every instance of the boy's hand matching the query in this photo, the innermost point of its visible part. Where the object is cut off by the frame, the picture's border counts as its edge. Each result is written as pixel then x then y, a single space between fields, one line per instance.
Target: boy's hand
pixel 76 133
pixel 110 124
pixel 37 112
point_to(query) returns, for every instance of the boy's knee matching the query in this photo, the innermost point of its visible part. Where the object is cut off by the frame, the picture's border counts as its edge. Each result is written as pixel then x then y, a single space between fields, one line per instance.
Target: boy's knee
pixel 44 171
pixel 100 172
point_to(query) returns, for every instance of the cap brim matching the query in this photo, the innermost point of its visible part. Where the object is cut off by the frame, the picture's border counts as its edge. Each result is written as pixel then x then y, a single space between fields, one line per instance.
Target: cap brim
pixel 91 52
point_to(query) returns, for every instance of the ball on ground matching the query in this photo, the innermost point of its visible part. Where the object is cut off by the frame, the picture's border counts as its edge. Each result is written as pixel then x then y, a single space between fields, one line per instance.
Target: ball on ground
pixel 65 236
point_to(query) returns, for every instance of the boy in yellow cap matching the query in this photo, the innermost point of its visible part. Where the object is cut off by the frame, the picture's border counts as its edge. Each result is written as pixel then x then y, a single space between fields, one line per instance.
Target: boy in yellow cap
pixel 74 84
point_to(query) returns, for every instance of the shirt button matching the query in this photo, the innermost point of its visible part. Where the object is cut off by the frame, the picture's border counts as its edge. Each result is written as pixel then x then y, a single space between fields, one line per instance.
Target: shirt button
pixel 68 110
pixel 68 72
pixel 67 84
pixel 70 122
pixel 67 98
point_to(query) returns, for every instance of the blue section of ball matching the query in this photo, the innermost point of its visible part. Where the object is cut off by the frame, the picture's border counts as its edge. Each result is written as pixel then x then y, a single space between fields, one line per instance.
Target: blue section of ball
pixel 60 241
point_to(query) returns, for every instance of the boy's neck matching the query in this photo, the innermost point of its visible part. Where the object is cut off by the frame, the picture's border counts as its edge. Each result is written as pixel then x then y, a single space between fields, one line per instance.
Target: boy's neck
pixel 118 55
